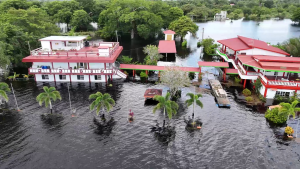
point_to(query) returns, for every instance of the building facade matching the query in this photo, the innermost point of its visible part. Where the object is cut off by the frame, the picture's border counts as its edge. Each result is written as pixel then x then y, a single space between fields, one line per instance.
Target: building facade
pixel 73 59
pixel 255 59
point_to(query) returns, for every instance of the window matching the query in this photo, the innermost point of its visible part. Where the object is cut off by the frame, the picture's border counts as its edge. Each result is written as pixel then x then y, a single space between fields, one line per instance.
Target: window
pixel 45 77
pixel 80 77
pixel 275 73
pixel 62 77
pixel 56 43
pixel 81 65
pixel 97 77
pixel 283 94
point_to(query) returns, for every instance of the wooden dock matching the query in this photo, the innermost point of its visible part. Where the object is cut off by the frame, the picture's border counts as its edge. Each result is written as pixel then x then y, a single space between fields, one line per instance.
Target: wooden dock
pixel 219 93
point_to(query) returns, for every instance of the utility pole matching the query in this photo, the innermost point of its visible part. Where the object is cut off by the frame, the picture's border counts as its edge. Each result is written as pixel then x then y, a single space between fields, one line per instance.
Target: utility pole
pixel 29 46
pixel 202 33
pixel 117 36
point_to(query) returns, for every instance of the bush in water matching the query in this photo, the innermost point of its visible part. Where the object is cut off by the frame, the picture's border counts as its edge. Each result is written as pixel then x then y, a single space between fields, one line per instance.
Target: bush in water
pixel 249 99
pixel 275 117
pixel 246 92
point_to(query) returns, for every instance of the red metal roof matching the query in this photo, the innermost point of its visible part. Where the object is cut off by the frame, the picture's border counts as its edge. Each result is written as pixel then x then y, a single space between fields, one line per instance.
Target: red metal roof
pixel 169 32
pixel 249 60
pixel 160 68
pixel 235 44
pixel 73 58
pixel 280 64
pixel 166 46
pixel 244 43
pixel 103 47
pixel 232 71
pixel 213 64
pixel 276 58
pixel 150 93
pixel 261 45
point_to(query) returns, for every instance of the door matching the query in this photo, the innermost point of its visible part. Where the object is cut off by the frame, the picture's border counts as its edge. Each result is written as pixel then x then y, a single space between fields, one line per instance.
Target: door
pixel 169 37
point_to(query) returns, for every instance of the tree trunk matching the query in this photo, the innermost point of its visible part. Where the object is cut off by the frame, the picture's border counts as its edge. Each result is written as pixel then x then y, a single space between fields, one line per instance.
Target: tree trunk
pixel 164 118
pixel 50 107
pixel 164 124
pixel 132 34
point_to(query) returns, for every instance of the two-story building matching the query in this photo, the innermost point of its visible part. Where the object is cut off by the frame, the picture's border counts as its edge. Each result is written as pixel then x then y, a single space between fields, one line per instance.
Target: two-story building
pixel 73 59
pixel 255 59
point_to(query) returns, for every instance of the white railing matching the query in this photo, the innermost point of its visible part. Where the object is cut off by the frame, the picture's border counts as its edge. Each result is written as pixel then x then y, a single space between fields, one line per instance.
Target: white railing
pixel 71 71
pixel 263 78
pixel 241 66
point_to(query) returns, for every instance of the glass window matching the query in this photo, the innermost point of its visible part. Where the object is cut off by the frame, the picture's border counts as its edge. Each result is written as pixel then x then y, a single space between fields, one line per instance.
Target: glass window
pixel 97 77
pixel 81 65
pixel 45 77
pixel 275 73
pixel 80 77
pixel 62 77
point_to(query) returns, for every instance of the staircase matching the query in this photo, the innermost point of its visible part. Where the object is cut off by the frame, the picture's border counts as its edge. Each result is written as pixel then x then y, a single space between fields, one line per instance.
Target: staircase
pixel 121 74
pixel 224 56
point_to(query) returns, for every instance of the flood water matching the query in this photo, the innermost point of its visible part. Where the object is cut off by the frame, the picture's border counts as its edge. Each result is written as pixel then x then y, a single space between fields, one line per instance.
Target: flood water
pixel 238 137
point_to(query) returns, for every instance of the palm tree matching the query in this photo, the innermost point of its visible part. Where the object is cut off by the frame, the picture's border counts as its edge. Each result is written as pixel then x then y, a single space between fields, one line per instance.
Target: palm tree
pixel 101 101
pixel 194 98
pixel 3 89
pixel 167 105
pixel 288 109
pixel 50 94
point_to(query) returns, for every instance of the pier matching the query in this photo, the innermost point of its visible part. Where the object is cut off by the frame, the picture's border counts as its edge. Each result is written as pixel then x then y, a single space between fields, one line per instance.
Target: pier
pixel 219 93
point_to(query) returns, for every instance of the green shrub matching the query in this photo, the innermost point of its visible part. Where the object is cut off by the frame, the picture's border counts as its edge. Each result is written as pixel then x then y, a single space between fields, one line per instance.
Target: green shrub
pixel 249 99
pixel 261 98
pixel 192 75
pixel 289 130
pixel 274 116
pixel 143 75
pixel 198 44
pixel 184 43
pixel 247 92
pixel 237 79
pixel 125 59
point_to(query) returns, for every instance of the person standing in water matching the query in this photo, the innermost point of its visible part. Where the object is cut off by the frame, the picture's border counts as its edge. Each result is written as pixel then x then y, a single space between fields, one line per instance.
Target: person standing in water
pixel 130 116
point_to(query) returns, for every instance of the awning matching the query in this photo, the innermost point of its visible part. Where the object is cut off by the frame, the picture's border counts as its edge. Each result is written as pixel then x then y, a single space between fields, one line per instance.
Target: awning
pixel 213 64
pixel 167 46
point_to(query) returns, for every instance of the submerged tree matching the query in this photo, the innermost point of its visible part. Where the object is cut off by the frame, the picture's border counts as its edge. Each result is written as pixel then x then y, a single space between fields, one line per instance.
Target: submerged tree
pixel 152 55
pixel 3 89
pixel 166 105
pixel 194 98
pixel 174 78
pixel 288 109
pixel 183 25
pixel 101 102
pixel 49 94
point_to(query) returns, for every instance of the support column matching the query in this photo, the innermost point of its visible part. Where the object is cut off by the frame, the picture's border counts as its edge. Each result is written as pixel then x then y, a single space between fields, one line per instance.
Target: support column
pixel 245 81
pixel 158 73
pixel 146 72
pixel 224 75
pixel 133 73
pixel 225 50
pixel 52 73
pixel 111 78
pixel 235 55
pixel 105 75
pixel 265 94
pixel 283 74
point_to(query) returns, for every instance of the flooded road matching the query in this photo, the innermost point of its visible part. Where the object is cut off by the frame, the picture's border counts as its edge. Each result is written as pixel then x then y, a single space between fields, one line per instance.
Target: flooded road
pixel 238 137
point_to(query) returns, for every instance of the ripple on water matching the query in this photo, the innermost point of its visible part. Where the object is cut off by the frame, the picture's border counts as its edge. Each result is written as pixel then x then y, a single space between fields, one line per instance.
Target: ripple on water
pixel 230 138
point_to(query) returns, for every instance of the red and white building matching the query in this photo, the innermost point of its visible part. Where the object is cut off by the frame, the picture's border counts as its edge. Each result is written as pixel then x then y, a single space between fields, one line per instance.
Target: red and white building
pixel 71 59
pixel 253 59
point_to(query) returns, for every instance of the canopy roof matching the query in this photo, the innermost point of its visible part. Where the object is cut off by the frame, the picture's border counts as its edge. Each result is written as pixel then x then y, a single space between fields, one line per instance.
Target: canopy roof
pixel 213 64
pixel 150 93
pixel 158 68
pixel 232 71
pixel 277 59
pixel 167 46
pixel 276 66
pixel 169 32
pixel 244 43
pixel 63 38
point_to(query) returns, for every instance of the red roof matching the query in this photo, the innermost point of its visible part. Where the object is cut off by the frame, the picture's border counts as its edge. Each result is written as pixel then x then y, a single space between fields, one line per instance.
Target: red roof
pixel 169 32
pixel 235 44
pixel 261 45
pixel 232 71
pixel 276 58
pixel 275 66
pixel 213 64
pixel 167 46
pixel 244 43
pixel 103 47
pixel 150 93
pixel 160 68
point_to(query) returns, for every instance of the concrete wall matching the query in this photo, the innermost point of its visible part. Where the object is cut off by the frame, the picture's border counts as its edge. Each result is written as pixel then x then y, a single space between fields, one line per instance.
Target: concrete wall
pixel 58 80
pixel 256 51
pixel 38 77
pixel 35 64
pixel 74 78
pixel 271 93
pixel 167 36
pixel 60 65
pixel 104 52
pixel 96 65
pixel 102 78
pixel 46 45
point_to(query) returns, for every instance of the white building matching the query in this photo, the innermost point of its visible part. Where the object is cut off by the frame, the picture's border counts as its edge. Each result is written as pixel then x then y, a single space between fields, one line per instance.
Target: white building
pixel 221 16
pixel 253 59
pixel 72 59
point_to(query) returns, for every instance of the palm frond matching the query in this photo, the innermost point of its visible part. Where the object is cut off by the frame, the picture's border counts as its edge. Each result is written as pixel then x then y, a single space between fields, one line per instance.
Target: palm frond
pixel 98 109
pixel 107 106
pixel 52 96
pixel 191 95
pixel 294 104
pixel 93 96
pixel 51 89
pixel 4 87
pixel 46 89
pixel 3 94
pixel 199 103
pixel 57 94
pixel 169 112
pixel 167 97
pixel 157 107
pixel 189 102
pixel 47 101
pixel 199 95
pixel 111 101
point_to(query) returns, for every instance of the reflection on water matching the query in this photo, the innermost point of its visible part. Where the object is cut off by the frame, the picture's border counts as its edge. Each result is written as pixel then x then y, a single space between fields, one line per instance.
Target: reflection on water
pixel 238 137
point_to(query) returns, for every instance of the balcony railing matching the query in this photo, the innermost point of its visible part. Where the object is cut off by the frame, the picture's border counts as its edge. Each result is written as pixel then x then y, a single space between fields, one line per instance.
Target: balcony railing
pixel 73 71
pixel 84 52
pixel 279 82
